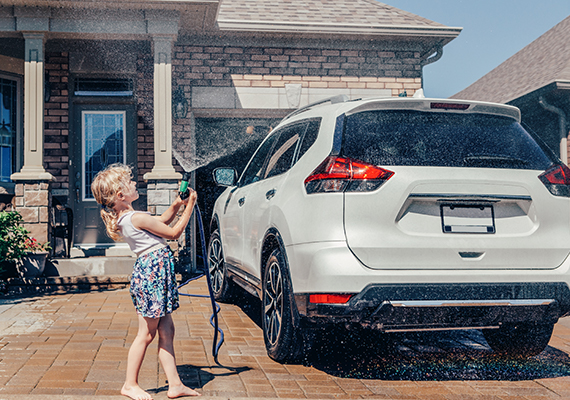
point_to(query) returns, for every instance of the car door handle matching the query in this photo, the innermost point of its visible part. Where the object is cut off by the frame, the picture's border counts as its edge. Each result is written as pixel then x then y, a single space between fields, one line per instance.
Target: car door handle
pixel 241 201
pixel 269 195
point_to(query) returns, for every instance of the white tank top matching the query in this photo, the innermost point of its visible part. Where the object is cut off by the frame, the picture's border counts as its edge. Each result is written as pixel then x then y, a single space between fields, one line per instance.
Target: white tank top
pixel 138 240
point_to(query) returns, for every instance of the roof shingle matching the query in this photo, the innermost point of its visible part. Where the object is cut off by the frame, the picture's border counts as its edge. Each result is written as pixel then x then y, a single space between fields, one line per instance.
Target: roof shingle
pixel 544 61
pixel 340 12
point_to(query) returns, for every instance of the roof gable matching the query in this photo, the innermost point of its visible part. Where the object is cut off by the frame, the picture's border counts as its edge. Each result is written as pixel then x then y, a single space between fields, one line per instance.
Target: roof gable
pixel 544 61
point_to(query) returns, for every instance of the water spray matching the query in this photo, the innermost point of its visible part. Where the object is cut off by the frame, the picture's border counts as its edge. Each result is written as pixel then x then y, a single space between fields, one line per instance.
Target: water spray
pixel 184 193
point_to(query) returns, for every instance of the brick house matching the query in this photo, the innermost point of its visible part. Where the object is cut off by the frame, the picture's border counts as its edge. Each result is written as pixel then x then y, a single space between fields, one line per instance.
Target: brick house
pixel 158 84
pixel 537 80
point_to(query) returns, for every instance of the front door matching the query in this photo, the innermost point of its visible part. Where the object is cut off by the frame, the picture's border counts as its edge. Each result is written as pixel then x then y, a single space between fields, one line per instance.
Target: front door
pixel 104 134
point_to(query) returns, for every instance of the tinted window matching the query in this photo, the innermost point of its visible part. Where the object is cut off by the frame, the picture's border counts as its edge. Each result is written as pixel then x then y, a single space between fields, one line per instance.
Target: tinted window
pixel 310 136
pixel 282 155
pixel 255 168
pixel 441 139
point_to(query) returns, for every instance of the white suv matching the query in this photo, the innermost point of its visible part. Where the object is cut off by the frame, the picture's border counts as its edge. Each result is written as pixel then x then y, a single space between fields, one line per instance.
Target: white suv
pixel 398 214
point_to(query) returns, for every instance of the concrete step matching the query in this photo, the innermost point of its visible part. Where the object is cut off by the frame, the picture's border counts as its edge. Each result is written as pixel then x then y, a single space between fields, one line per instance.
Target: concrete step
pixel 90 266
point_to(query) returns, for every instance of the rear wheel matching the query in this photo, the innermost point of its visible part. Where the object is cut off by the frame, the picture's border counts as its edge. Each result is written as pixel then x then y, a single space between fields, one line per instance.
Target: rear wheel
pixel 222 286
pixel 284 342
pixel 523 340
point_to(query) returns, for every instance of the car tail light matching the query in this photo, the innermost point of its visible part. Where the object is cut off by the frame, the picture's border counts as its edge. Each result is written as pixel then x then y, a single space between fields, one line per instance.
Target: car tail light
pixel 341 174
pixel 557 180
pixel 329 298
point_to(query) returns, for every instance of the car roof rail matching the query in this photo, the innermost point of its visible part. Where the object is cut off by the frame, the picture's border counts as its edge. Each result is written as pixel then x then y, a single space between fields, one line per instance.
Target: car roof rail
pixel 339 98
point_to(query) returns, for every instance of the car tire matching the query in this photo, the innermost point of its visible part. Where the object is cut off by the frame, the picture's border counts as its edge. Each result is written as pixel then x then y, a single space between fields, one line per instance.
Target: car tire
pixel 222 286
pixel 283 340
pixel 519 341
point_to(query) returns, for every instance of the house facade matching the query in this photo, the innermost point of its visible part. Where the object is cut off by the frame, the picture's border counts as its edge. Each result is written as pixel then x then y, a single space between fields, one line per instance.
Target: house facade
pixel 536 80
pixel 166 86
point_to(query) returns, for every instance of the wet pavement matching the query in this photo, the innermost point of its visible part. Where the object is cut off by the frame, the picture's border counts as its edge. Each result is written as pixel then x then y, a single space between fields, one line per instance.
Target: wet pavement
pixel 67 346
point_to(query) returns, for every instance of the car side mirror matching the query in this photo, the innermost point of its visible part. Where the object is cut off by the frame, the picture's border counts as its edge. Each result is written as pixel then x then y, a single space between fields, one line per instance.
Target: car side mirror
pixel 225 176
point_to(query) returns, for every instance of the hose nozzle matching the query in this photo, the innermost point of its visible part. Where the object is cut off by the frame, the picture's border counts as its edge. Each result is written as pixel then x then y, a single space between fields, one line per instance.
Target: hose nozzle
pixel 183 192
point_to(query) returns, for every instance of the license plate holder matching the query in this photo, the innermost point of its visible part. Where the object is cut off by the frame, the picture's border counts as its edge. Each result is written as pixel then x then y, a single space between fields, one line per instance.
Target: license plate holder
pixel 468 218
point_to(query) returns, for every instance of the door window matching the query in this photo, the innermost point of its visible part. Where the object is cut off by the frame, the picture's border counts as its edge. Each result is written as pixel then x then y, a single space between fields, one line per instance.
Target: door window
pixel 254 170
pixel 282 156
pixel 103 144
pixel 310 137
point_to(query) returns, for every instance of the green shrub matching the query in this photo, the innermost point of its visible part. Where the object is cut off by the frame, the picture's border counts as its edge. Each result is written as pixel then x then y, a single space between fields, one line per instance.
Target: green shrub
pixel 13 236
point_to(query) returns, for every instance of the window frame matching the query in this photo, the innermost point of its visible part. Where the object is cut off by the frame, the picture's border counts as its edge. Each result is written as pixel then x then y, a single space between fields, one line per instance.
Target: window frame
pixel 18 138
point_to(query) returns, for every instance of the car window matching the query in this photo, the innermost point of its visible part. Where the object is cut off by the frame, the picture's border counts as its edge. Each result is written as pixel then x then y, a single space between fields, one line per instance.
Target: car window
pixel 310 136
pixel 415 138
pixel 281 157
pixel 254 169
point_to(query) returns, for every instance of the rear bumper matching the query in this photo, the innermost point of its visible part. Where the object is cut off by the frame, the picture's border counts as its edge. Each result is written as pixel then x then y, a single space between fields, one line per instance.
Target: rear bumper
pixel 416 307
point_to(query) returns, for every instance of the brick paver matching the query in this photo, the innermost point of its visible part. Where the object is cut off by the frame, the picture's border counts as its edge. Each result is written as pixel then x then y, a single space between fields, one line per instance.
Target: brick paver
pixel 66 346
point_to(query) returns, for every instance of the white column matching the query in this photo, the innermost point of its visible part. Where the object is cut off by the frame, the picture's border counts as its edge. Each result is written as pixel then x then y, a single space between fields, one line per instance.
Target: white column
pixel 33 168
pixel 163 168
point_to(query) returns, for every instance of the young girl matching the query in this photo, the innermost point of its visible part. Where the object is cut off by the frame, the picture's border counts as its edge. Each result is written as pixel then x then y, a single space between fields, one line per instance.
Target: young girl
pixel 153 284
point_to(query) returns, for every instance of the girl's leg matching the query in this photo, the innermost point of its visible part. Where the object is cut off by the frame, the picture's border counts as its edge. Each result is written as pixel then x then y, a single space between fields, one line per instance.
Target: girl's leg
pixel 168 361
pixel 145 335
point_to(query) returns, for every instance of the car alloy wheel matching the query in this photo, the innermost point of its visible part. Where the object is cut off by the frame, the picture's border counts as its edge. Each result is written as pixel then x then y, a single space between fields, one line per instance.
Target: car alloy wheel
pixel 284 338
pixel 221 285
pixel 273 302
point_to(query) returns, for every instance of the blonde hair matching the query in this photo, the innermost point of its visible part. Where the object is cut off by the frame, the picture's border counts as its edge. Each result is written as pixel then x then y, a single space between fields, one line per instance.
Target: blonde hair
pixel 105 187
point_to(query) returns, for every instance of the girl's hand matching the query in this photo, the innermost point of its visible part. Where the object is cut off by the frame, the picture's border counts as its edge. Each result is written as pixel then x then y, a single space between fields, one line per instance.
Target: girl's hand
pixel 192 196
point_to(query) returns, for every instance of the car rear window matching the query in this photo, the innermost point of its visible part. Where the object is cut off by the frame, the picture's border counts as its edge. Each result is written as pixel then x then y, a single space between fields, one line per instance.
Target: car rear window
pixel 412 138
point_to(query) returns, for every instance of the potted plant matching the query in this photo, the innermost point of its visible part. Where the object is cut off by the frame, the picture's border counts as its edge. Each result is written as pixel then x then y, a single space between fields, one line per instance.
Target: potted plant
pixel 34 261
pixel 16 245
pixel 12 237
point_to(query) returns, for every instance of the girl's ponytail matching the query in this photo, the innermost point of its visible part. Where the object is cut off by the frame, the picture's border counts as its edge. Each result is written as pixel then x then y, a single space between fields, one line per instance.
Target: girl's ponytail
pixel 105 187
pixel 110 219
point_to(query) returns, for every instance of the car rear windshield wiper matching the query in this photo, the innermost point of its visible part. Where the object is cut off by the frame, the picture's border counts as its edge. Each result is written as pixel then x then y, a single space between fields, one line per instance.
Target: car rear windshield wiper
pixel 483 160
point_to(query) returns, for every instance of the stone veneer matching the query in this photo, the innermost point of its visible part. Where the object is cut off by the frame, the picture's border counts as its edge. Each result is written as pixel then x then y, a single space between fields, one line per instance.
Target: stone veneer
pixel 160 195
pixel 31 201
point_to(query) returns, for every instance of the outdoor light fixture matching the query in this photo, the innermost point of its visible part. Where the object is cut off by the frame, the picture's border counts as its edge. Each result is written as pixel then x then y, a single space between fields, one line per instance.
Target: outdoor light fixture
pixel 179 104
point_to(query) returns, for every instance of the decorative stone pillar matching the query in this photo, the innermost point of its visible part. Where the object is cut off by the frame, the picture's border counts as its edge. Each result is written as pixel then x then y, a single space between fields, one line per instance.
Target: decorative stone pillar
pixel 33 183
pixel 163 169
pixel 33 168
pixel 31 200
pixel 162 181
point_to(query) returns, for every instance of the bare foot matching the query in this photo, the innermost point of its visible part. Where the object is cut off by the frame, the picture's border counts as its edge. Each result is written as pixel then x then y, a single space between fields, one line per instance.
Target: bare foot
pixel 135 393
pixel 180 391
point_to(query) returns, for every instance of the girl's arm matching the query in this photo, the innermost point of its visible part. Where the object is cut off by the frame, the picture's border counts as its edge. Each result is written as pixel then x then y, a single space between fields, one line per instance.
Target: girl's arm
pixel 168 216
pixel 159 228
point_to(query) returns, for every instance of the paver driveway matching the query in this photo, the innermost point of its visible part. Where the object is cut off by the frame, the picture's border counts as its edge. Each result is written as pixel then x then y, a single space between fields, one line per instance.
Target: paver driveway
pixel 76 344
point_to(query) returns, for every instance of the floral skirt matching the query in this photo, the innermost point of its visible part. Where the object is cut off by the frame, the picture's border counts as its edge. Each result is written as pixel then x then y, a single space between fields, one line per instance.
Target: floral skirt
pixel 153 284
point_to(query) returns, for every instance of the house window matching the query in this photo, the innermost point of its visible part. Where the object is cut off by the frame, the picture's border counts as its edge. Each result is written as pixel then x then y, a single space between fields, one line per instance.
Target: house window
pixel 9 123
